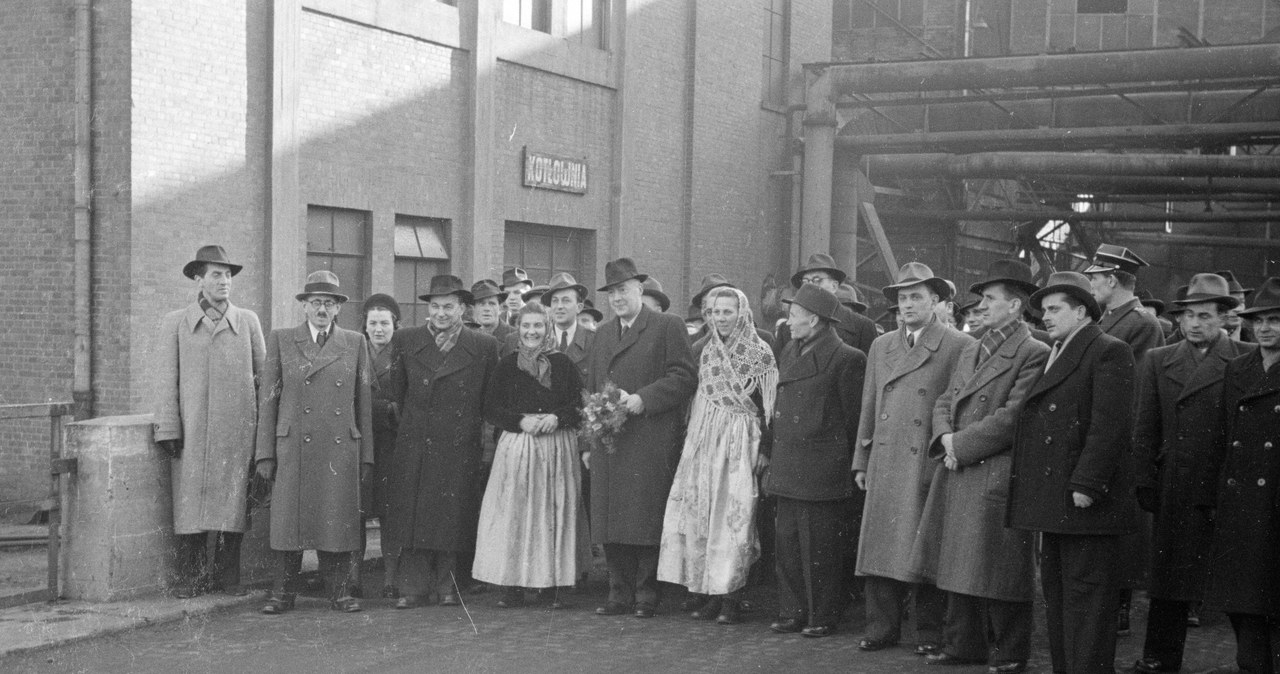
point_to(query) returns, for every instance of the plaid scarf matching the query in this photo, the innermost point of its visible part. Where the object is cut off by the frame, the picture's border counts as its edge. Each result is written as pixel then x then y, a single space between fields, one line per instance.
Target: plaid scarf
pixel 211 312
pixel 447 338
pixel 992 340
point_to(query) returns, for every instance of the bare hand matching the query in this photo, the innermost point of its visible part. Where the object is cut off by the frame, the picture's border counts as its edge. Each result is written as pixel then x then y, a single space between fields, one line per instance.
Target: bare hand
pixel 762 462
pixel 950 462
pixel 860 479
pixel 550 423
pixel 948 443
pixel 266 469
pixel 531 424
pixel 586 460
pixel 634 404
pixel 1081 500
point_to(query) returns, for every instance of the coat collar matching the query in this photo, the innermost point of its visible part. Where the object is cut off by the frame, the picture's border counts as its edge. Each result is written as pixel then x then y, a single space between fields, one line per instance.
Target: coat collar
pixel 233 320
pixel 459 357
pixel 1196 374
pixel 997 364
pixel 633 333
pixel 912 359
pixel 1110 318
pixel 1069 359
pixel 802 366
pixel 320 358
pixel 1254 381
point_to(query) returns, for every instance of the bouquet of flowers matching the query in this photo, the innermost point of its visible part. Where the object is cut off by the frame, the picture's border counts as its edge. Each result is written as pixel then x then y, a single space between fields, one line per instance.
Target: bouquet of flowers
pixel 602 417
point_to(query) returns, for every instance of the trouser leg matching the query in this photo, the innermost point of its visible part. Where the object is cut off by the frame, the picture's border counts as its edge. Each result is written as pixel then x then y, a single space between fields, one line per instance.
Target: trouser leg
pixel 417 573
pixel 1051 584
pixel 930 608
pixel 356 561
pixel 789 560
pixel 1257 641
pixel 447 569
pixel 226 558
pixel 964 630
pixel 1090 565
pixel 334 567
pixel 850 583
pixel 621 562
pixel 288 568
pixel 824 526
pixel 1010 624
pixel 1166 631
pixel 885 597
pixel 646 582
pixel 189 558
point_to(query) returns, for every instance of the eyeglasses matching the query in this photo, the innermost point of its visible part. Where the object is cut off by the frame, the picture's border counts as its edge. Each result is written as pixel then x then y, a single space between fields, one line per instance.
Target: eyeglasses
pixel 815 279
pixel 322 304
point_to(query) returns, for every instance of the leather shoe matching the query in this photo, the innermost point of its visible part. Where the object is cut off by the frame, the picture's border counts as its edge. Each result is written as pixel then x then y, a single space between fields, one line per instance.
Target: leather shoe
pixel 708 611
pixel 409 601
pixel 1153 665
pixel 613 608
pixel 787 625
pixel 345 604
pixel 728 613
pixel 511 599
pixel 1193 617
pixel 1008 668
pixel 693 602
pixel 928 648
pixel 869 644
pixel 390 592
pixel 279 603
pixel 945 658
pixel 644 611
pixel 186 591
pixel 818 631
pixel 450 599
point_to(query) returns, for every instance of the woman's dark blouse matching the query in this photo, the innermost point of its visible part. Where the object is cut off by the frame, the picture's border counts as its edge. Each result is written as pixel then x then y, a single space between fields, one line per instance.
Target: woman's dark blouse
pixel 513 393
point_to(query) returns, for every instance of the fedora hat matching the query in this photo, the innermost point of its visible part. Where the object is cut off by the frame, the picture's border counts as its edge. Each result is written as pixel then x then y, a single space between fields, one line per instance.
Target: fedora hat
pixel 818 300
pixel 514 276
pixel 1208 288
pixel 382 301
pixel 1267 299
pixel 321 282
pixel 653 289
pixel 695 314
pixel 1148 300
pixel 446 284
pixel 534 293
pixel 563 281
pixel 848 296
pixel 1232 282
pixel 209 255
pixel 592 312
pixel 709 282
pixel 1173 308
pixel 486 288
pixel 818 262
pixel 1015 273
pixel 1109 258
pixel 969 303
pixel 619 270
pixel 1072 283
pixel 914 274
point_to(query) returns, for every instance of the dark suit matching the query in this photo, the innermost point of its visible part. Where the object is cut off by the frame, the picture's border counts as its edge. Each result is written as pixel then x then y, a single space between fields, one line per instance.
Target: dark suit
pixel 1073 436
pixel 815 426
pixel 852 327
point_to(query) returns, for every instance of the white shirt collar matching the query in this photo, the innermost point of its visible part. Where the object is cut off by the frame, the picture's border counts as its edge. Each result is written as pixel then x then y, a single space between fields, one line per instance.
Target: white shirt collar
pixel 569 333
pixel 315 331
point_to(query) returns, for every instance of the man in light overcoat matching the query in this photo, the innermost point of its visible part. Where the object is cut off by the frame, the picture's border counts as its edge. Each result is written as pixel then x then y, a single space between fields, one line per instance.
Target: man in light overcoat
pixel 208 361
pixel 986 568
pixel 647 355
pixel 908 369
pixel 315 439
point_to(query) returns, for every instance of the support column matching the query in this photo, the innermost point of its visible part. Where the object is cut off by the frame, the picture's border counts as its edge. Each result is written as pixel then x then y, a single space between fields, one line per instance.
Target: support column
pixel 477 241
pixel 819 151
pixel 287 239
pixel 847 191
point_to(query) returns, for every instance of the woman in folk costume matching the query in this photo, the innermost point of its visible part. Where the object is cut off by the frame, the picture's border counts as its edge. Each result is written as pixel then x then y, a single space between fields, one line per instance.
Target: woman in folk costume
pixel 532 524
pixel 709 540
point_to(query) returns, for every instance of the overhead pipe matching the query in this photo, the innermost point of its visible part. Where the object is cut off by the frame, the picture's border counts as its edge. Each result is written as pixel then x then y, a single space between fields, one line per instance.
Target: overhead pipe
pixel 82 162
pixel 1019 215
pixel 1049 70
pixel 1015 164
pixel 1078 138
pixel 1113 184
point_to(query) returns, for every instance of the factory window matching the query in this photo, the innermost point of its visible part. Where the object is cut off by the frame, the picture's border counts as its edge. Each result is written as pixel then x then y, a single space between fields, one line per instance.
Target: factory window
pixel 586 22
pixel 533 14
pixel 338 240
pixel 544 251
pixel 861 14
pixel 776 36
pixel 1102 6
pixel 421 252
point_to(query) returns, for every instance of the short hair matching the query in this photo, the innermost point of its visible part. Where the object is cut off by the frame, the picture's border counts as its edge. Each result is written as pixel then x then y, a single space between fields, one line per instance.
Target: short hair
pixel 577 294
pixel 1012 293
pixel 532 308
pixel 1072 301
pixel 1125 279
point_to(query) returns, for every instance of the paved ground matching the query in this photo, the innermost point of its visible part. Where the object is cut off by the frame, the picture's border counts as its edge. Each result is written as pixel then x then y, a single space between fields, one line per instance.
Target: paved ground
pixel 533 639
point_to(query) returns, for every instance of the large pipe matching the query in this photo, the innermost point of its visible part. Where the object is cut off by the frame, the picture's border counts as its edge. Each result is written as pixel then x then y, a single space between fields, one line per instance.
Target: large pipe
pixel 1196 240
pixel 1015 215
pixel 1016 164
pixel 82 162
pixel 1077 138
pixel 1105 184
pixel 1049 70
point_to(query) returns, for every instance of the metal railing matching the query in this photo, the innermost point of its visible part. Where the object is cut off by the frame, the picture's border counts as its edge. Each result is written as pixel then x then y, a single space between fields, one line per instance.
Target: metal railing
pixel 58 415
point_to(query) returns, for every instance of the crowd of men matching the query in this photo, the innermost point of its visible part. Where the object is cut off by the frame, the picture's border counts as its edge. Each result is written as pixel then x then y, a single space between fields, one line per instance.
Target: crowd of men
pixel 1056 429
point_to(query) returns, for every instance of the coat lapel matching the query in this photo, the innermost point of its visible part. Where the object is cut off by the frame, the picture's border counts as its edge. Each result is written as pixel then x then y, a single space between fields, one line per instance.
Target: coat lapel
pixel 997 364
pixel 1259 382
pixel 459 357
pixel 1110 318
pixel 1180 365
pixel 306 346
pixel 1068 360
pixel 633 333
pixel 913 359
pixel 1209 370
pixel 803 366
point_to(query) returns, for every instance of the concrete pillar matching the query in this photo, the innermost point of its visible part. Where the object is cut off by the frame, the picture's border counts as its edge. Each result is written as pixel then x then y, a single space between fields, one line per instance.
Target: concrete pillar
pixel 846 192
pixel 118 524
pixel 288 242
pixel 819 151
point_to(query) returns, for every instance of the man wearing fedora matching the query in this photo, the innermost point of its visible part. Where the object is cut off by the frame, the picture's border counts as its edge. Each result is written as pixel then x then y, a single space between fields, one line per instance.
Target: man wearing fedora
pixel 208 359
pixel 1243 578
pixel 486 309
pixel 315 439
pixel 647 355
pixel 515 282
pixel 853 328
pixel 907 370
pixel 815 424
pixel 1071 475
pixel 436 488
pixel 653 297
pixel 987 569
pixel 1175 433
pixel 564 298
pixel 1236 327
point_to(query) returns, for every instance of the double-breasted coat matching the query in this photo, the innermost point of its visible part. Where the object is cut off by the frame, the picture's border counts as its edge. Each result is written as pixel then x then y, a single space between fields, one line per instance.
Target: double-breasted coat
pixel 315 418
pixel 1244 564
pixel 894 434
pixel 629 487
pixel 852 327
pixel 1179 423
pixel 815 420
pixel 206 395
pixel 435 489
pixel 1073 435
pixel 965 513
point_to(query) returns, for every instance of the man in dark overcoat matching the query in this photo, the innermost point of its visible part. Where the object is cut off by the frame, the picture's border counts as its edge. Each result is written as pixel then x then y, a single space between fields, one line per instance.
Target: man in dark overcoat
pixel 434 494
pixel 852 327
pixel 815 425
pixel 907 370
pixel 1175 434
pixel 987 569
pixel 1071 477
pixel 315 438
pixel 647 355
pixel 1244 576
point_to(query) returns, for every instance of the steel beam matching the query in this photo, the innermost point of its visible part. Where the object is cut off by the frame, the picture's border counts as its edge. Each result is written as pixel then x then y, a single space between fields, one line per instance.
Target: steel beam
pixel 1013 215
pixel 1224 197
pixel 1051 93
pixel 1094 184
pixel 1078 138
pixel 1196 240
pixel 1017 164
pixel 1048 70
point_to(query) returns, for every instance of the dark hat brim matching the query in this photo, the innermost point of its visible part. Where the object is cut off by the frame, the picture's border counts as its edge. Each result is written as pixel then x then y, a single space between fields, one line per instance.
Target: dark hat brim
pixel 1027 287
pixel 697 299
pixel 639 277
pixel 936 284
pixel 797 279
pixel 464 295
pixel 501 295
pixel 855 305
pixel 189 269
pixel 594 313
pixel 663 300
pixel 1158 305
pixel 342 299
pixel 1085 297
pixel 546 296
pixel 507 286
pixel 831 314
pixel 1198 298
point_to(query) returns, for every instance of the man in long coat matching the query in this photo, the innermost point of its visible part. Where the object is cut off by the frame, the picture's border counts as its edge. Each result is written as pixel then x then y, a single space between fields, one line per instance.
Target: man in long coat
pixel 987 569
pixel 1243 578
pixel 315 437
pixel 908 369
pixel 208 362
pixel 1072 477
pixel 1175 434
pixel 853 328
pixel 435 488
pixel 647 355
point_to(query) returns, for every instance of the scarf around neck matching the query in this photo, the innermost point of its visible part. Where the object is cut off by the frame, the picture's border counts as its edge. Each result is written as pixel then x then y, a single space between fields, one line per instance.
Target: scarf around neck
pixel 446 339
pixel 535 361
pixel 732 368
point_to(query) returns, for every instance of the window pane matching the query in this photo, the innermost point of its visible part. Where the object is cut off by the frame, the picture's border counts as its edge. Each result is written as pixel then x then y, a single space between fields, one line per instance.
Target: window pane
pixel 404 281
pixel 350 272
pixel 537 252
pixel 349 232
pixel 319 229
pixel 1102 6
pixel 511 11
pixel 318 262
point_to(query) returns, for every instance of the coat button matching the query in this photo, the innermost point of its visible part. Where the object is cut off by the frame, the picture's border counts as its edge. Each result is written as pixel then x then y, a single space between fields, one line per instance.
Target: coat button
pixel 1267 445
pixel 916 422
pixel 915 450
pixel 1242 408
pixel 306 410
pixel 337 441
pixel 982 399
pixel 338 383
pixel 306 382
pixel 1237 444
pixel 777 415
pixel 1048 439
pixel 795 419
pixel 1231 482
pixel 1262 482
pixel 888 387
pixel 923 392
pixel 1277 409
pixel 884 417
pixel 306 438
pixel 1053 407
pixel 1182 436
pixel 337 413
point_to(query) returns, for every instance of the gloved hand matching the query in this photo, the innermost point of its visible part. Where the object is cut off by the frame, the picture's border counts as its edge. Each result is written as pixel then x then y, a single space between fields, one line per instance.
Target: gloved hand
pixel 266 469
pixel 1147 499
pixel 171 447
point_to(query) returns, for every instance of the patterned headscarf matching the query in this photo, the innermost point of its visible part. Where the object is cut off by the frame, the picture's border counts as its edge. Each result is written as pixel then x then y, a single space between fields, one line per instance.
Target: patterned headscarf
pixel 733 367
pixel 533 359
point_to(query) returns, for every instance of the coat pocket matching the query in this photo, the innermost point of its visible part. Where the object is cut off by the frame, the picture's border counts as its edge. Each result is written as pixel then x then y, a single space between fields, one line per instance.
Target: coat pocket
pixel 282 430
pixel 355 433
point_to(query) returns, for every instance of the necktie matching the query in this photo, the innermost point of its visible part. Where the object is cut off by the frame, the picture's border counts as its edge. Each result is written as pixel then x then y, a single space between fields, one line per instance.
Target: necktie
pixel 564 341
pixel 911 340
pixel 321 337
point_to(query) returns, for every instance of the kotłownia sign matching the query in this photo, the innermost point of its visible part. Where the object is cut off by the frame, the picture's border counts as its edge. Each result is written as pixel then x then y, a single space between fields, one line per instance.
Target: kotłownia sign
pixel 549 172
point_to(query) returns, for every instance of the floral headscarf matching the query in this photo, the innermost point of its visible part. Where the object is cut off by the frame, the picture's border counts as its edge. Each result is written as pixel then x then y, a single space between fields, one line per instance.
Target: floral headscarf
pixel 533 359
